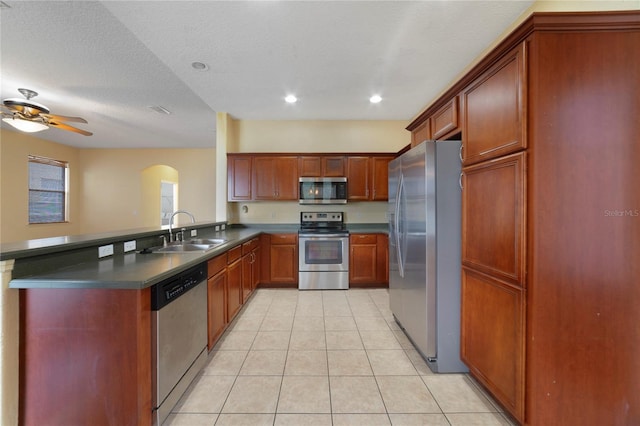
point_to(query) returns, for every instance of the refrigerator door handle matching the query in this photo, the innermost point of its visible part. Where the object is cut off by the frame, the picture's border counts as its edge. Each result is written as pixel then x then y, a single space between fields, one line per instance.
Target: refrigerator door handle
pixel 397 226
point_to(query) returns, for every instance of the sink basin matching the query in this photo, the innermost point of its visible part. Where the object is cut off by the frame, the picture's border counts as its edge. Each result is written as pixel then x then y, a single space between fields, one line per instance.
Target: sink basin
pixel 184 248
pixel 195 245
pixel 213 241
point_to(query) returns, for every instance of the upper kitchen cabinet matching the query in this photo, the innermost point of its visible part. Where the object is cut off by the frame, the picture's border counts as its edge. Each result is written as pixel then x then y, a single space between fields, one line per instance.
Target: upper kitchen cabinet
pixel 239 177
pixel 493 110
pixel 321 166
pixel 444 122
pixel 275 178
pixel 367 177
pixel 421 133
pixel 551 218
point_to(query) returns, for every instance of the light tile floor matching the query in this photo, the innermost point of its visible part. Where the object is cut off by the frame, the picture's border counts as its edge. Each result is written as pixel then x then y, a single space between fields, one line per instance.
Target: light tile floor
pixel 326 358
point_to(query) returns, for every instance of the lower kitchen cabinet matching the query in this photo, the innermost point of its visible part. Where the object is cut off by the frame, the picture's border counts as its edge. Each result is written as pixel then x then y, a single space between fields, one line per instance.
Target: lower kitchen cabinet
pixel 280 259
pixel 234 282
pixel 492 336
pixel 250 267
pixel 368 260
pixel 216 299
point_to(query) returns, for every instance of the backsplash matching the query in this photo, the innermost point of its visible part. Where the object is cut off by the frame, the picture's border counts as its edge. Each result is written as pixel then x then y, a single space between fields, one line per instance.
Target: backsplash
pixel 289 212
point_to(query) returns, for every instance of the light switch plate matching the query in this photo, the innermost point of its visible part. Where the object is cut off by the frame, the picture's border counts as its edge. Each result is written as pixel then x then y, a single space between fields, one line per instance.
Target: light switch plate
pixel 217 228
pixel 194 233
pixel 104 251
pixel 129 246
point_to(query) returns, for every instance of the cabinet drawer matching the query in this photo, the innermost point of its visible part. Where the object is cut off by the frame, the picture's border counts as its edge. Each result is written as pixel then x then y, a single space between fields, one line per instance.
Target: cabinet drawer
pixel 216 264
pixel 234 254
pixel 284 238
pixel 249 246
pixel 363 239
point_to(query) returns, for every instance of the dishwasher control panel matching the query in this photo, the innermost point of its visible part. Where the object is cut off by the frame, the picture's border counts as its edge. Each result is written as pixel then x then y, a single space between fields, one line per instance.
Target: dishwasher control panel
pixel 170 289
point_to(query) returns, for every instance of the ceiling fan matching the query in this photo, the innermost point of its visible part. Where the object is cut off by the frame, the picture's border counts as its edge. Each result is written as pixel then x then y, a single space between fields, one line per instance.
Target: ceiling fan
pixel 29 116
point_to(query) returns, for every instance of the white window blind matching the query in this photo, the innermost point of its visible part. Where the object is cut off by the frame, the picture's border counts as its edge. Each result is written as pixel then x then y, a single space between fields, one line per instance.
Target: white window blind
pixel 47 190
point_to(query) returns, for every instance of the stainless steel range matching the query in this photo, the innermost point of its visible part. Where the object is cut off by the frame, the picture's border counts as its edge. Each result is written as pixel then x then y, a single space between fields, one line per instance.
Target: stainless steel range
pixel 323 251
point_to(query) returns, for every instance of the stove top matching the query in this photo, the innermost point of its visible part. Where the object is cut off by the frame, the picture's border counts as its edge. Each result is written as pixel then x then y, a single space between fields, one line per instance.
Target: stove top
pixel 322 223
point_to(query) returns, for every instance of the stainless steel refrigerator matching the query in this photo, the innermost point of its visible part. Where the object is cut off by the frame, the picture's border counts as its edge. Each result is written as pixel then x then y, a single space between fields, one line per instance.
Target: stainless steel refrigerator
pixel 424 250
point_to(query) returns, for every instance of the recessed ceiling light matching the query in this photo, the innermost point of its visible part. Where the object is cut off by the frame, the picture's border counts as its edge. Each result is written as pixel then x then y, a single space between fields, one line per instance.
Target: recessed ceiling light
pixel 290 99
pixel 375 99
pixel 199 66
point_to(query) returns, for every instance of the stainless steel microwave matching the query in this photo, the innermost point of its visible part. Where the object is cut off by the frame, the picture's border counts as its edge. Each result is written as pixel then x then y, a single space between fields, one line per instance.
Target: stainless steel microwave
pixel 329 190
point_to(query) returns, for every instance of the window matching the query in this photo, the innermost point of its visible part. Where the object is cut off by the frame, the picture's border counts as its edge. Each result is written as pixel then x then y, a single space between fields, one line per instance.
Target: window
pixel 168 201
pixel 47 190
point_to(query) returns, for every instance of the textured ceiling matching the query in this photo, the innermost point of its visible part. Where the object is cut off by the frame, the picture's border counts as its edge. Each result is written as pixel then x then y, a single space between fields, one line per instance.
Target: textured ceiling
pixel 109 61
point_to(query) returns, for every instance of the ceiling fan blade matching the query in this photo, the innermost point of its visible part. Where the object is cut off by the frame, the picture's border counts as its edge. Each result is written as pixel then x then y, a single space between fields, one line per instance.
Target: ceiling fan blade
pixel 64 118
pixel 70 128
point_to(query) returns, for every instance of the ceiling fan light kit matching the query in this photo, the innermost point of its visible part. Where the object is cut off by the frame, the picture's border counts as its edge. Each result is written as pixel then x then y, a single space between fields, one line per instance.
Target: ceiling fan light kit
pixel 29 116
pixel 25 125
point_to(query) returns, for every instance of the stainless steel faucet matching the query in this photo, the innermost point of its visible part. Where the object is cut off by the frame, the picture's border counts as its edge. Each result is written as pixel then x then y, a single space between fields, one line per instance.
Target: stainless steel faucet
pixel 193 220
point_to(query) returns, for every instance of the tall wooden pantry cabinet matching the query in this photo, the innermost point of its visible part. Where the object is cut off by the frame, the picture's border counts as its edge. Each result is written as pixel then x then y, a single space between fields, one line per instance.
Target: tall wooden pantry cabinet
pixel 550 124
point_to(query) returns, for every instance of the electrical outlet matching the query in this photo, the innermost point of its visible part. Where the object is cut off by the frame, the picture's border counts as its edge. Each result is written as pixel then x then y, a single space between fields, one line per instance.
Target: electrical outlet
pixel 104 251
pixel 223 226
pixel 129 246
pixel 217 228
pixel 194 233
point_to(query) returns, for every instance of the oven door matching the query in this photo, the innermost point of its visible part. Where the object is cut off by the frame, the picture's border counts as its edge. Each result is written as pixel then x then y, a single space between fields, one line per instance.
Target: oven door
pixel 326 252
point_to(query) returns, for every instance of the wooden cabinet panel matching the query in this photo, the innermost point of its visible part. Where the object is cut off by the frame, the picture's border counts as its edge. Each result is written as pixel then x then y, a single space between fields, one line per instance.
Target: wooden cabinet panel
pixel 368 259
pixel 421 133
pixel 492 337
pixel 494 109
pixel 239 173
pixel 234 287
pixel 216 306
pixel 444 122
pixel 358 176
pixel 275 178
pixel 283 259
pixel 310 166
pixel 380 178
pixel 250 268
pixel 493 217
pixel 333 166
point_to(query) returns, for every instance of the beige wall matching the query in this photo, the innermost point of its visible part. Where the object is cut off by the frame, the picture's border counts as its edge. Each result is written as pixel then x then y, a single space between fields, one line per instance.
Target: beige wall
pixel 113 197
pixel 105 187
pixel 15 148
pixel 318 136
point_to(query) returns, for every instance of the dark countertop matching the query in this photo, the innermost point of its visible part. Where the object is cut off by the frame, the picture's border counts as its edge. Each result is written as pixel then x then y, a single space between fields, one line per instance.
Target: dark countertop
pixel 133 270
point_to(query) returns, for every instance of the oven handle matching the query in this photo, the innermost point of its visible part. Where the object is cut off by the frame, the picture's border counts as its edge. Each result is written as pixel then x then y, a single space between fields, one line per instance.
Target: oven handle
pixel 322 236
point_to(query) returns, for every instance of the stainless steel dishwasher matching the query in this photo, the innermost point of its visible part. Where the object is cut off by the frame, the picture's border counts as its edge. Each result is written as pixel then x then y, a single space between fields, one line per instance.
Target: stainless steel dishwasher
pixel 179 336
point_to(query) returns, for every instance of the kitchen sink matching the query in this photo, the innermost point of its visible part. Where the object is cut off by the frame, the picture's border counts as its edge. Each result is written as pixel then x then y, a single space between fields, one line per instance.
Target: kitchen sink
pixel 214 241
pixel 196 245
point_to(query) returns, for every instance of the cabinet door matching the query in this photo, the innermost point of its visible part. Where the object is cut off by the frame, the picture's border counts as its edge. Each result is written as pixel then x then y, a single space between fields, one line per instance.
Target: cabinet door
pixel 493 110
pixel 216 306
pixel 333 166
pixel 256 273
pixel 286 178
pixel 239 178
pixel 264 182
pixel 493 217
pixel 310 166
pixel 444 122
pixel 383 259
pixel 363 258
pixel 421 133
pixel 380 178
pixel 358 176
pixel 275 178
pixel 247 278
pixel 492 337
pixel 284 259
pixel 234 286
